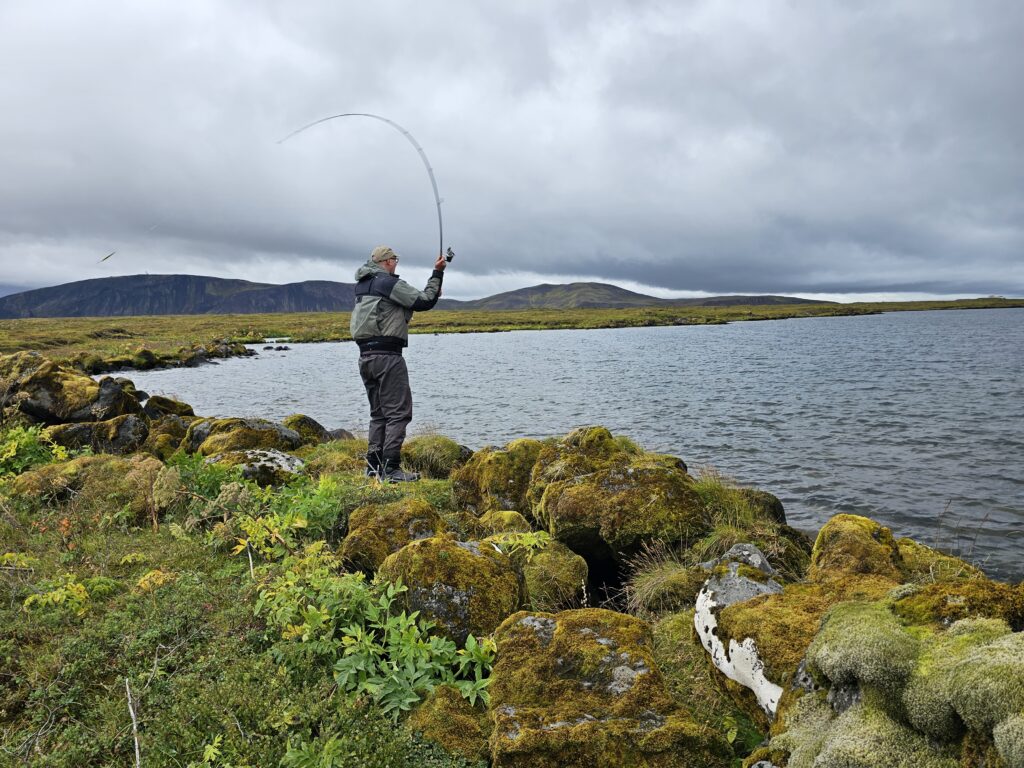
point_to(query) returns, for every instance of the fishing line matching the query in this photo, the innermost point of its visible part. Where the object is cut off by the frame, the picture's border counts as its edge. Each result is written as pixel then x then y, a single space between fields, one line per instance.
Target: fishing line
pixel 423 156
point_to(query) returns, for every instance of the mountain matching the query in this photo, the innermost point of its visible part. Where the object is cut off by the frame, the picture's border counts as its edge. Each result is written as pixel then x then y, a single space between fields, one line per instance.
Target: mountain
pixel 603 296
pixel 195 295
pixel 176 295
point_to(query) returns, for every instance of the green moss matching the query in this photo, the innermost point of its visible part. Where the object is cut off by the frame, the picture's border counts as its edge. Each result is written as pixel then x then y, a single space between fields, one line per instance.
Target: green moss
pixel 663 586
pixel 449 720
pixel 310 430
pixel 864 644
pixel 228 435
pixel 157 406
pixel 466 588
pixel 848 545
pixel 165 435
pixel 496 478
pixel 928 697
pixel 375 531
pixel 433 456
pixel 921 563
pixel 555 578
pixel 988 686
pixel 505 520
pixel 1009 740
pixel 945 602
pixel 581 688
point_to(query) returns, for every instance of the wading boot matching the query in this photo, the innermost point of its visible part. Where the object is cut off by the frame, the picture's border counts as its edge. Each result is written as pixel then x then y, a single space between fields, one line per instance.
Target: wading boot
pixel 393 472
pixel 373 465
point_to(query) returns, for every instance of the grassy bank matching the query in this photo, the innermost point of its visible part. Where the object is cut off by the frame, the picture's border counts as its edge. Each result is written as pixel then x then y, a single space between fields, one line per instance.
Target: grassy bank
pixel 120 338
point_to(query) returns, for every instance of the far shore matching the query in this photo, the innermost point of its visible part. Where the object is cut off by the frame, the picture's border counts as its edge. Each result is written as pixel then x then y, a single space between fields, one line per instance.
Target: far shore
pixel 103 344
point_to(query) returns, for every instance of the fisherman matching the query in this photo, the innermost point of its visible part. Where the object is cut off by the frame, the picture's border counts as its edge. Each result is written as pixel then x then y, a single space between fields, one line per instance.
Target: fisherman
pixel 380 326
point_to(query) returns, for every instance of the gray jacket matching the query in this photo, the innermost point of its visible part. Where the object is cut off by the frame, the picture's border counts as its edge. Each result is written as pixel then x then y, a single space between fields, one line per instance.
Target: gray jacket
pixel 385 305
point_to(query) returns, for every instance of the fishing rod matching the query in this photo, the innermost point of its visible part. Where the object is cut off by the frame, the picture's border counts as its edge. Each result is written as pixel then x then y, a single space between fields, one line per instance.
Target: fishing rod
pixel 449 254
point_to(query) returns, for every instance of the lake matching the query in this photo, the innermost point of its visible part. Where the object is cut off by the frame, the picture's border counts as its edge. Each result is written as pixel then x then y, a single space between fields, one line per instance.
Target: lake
pixel 915 419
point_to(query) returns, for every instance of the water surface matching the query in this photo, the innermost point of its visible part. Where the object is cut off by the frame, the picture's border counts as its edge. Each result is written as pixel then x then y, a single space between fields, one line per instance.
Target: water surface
pixel 914 418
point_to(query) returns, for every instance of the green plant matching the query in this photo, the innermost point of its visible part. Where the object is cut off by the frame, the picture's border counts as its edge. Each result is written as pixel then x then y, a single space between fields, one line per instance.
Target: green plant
pixel 323 618
pixel 65 593
pixel 527 542
pixel 24 448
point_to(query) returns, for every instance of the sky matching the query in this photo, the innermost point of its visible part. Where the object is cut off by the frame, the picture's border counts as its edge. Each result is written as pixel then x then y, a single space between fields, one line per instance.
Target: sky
pixel 821 148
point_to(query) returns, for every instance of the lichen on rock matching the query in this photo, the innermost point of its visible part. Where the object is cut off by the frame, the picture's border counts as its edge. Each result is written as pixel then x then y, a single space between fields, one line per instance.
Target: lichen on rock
pixel 581 688
pixel 311 431
pixel 464 587
pixel 265 467
pixel 448 719
pixel 497 478
pixel 556 578
pixel 221 436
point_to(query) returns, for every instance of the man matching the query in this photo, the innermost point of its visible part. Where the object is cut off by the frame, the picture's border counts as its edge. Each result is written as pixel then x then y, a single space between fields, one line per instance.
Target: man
pixel 380 326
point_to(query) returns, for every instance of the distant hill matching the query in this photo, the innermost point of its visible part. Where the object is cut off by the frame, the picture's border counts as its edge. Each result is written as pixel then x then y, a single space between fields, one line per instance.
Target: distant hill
pixel 176 295
pixel 602 296
pixel 196 295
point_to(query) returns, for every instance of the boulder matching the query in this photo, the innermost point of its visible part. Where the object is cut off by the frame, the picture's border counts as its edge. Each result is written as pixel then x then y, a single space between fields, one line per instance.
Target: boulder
pixel 53 394
pixel 268 467
pixel 310 430
pixel 377 530
pixel 166 434
pixel 581 688
pixel 849 545
pixel 556 578
pixel 505 520
pixel 463 587
pixel 434 456
pixel 497 478
pixel 158 406
pixel 122 434
pixel 218 436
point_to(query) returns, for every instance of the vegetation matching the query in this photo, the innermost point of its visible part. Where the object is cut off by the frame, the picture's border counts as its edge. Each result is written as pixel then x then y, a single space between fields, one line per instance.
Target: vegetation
pixel 100 343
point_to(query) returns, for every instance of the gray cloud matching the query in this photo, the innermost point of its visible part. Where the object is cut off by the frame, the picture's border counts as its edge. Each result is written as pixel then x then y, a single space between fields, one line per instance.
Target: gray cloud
pixel 702 146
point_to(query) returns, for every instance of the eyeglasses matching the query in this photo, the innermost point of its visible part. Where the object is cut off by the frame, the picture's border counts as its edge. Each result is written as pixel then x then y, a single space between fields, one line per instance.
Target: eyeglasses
pixel 394 259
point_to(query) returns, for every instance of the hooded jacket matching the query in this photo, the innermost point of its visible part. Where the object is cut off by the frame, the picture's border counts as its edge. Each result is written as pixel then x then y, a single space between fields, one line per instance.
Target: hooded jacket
pixel 385 305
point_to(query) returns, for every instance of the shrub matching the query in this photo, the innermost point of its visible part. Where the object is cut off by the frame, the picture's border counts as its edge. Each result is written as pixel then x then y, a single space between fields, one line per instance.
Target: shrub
pixel 24 448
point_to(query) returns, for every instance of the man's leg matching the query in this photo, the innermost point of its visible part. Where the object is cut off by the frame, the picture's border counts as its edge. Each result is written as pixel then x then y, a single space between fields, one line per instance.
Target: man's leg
pixel 371 370
pixel 396 405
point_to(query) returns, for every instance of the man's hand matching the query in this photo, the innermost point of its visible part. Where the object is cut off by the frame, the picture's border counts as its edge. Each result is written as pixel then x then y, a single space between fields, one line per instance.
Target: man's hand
pixel 440 263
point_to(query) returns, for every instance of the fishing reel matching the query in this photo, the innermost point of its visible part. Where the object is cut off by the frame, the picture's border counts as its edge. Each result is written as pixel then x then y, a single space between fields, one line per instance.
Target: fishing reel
pixel 449 254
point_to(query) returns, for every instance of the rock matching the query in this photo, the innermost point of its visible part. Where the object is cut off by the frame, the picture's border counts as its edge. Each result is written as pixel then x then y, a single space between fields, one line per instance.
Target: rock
pixel 766 504
pixel 434 456
pixel 580 688
pixel 97 485
pixel 217 436
pixel 464 587
pixel 743 573
pixel 448 719
pixel 165 435
pixel 849 545
pixel 375 531
pixel 340 434
pixel 497 478
pixel 53 394
pixel 556 578
pixel 310 430
pixel 121 435
pixel 158 406
pixel 269 467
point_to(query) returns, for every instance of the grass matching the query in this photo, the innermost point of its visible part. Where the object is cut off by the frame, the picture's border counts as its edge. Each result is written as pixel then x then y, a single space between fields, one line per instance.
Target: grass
pixel 121 338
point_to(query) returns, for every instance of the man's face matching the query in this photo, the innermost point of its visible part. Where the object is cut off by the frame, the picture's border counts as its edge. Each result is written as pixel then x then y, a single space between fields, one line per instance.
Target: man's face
pixel 390 264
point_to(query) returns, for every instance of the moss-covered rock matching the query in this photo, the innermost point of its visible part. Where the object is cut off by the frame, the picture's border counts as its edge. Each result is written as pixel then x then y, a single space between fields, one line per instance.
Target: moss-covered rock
pixel 121 435
pixel 434 456
pixel 165 435
pixel 311 431
pixel 221 436
pixel 556 578
pixel 1009 741
pixel 448 719
pixel 158 406
pixel 503 520
pixel 464 587
pixel 943 603
pixel 581 688
pixel 267 467
pixel 848 545
pixel 863 644
pixel 377 530
pixel 497 478
pixel 336 456
pixel 621 507
pixel 55 394
pixel 97 485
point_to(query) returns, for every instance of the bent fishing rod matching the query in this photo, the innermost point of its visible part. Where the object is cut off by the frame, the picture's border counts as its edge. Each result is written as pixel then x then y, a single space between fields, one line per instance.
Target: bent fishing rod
pixel 449 254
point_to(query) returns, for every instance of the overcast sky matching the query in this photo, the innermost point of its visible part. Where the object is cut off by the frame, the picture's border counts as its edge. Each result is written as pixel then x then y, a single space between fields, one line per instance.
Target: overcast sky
pixel 834 149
